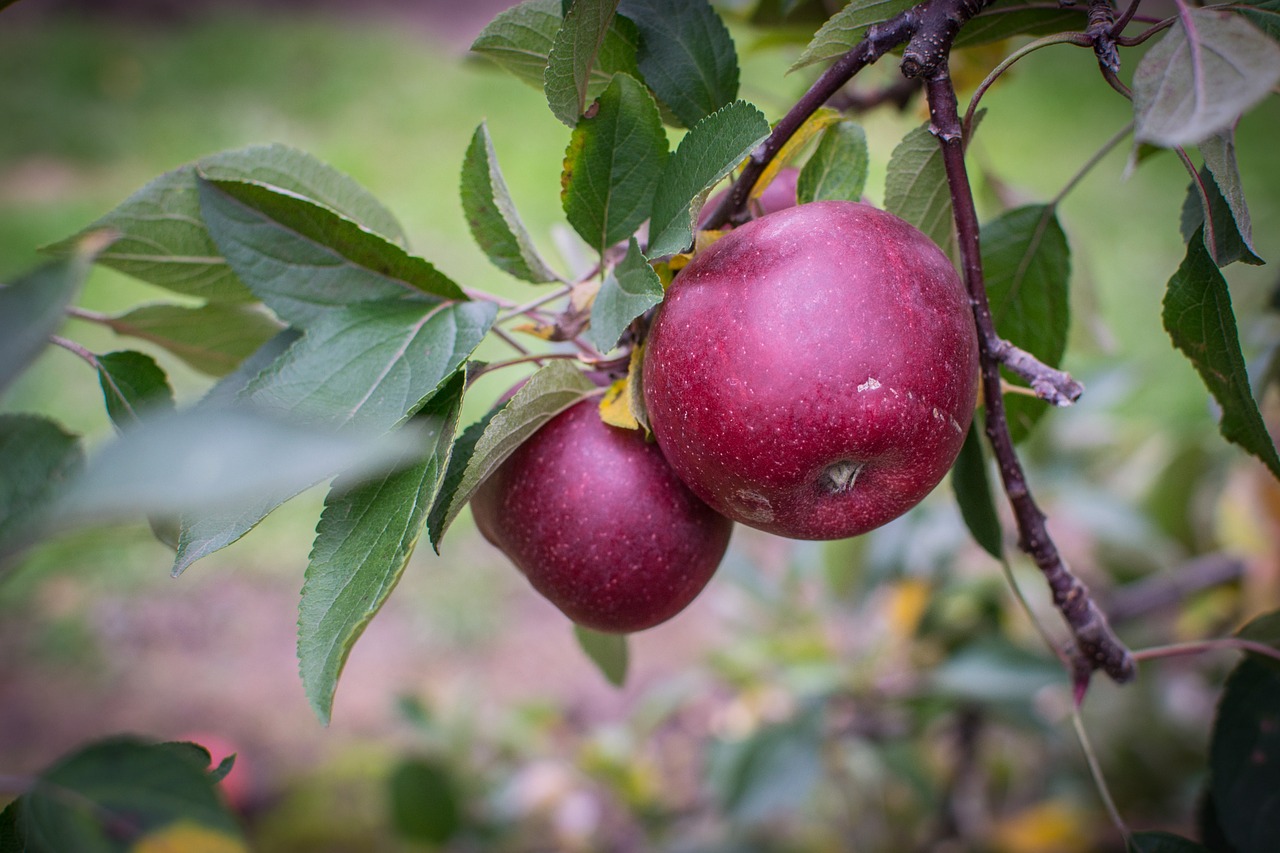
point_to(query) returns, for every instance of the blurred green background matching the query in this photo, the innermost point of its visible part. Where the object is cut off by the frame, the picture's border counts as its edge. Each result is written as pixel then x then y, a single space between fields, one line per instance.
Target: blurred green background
pixel 884 691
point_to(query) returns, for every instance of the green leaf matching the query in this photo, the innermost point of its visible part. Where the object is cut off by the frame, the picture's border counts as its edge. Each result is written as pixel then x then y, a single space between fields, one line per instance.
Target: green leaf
pixel 202 458
pixel 302 259
pixel 1244 757
pixel 426 806
pixel 837 170
pixel 370 367
pixel 613 163
pixel 996 24
pixel 707 153
pixel 548 392
pixel 228 389
pixel 573 55
pixel 115 793
pixel 1207 71
pixel 164 239
pixel 445 508
pixel 38 458
pixel 212 338
pixel 607 651
pixel 132 384
pixel 1265 16
pixel 686 55
pixel 492 216
pixel 10 839
pixel 1162 842
pixel 847 27
pixel 630 289
pixel 1198 317
pixel 915 187
pixel 1027 264
pixel 363 542
pixel 33 307
pixel 1229 231
pixel 973 494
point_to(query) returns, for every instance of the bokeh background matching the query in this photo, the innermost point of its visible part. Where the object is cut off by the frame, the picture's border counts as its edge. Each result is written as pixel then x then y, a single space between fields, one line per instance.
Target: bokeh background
pixel 877 694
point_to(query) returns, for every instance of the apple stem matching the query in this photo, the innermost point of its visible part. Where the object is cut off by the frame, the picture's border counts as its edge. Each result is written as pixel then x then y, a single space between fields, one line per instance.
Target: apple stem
pixel 1095 644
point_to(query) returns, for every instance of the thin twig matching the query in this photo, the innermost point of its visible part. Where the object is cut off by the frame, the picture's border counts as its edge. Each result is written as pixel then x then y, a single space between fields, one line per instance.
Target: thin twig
pixel 507 339
pixel 1057 38
pixel 526 359
pixel 1097 647
pixel 1238 644
pixel 1095 770
pixel 520 310
pixel 1173 587
pixel 1093 161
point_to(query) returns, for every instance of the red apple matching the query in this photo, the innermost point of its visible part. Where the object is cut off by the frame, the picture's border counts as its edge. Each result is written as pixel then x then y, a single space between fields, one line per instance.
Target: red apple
pixel 599 523
pixel 814 372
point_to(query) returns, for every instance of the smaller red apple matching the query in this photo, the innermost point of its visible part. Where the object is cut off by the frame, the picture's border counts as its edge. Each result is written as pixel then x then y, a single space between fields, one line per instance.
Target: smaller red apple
pixel 779 195
pixel 599 523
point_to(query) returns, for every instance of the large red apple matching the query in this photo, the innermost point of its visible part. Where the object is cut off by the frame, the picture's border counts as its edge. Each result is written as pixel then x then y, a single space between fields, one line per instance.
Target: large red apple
pixel 599 523
pixel 813 373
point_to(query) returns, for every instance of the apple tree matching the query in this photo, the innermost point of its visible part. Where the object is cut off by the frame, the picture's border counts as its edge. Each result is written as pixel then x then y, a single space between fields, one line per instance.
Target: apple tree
pixel 781 355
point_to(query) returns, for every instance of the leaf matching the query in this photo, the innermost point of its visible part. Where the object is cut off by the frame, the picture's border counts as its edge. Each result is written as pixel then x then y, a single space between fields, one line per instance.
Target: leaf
pixel 996 24
pixel 37 460
pixel 363 542
pixel 847 27
pixel 973 494
pixel 33 307
pixel 124 793
pixel 612 165
pixel 837 170
pixel 548 392
pixel 164 239
pixel 492 217
pixel 1227 214
pixel 685 54
pixel 1244 757
pixel 199 459
pixel 630 289
pixel 426 806
pixel 212 338
pixel 615 405
pixel 369 367
pixel 1207 71
pixel 372 365
pixel 1265 16
pixel 573 54
pixel 1162 842
pixel 132 384
pixel 520 39
pixel 607 651
pixel 302 259
pixel 707 153
pixel 809 129
pixel 446 508
pixel 915 187
pixel 1027 264
pixel 1198 317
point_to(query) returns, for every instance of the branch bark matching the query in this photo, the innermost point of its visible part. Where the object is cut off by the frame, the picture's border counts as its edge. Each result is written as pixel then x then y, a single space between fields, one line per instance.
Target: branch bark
pixel 1095 644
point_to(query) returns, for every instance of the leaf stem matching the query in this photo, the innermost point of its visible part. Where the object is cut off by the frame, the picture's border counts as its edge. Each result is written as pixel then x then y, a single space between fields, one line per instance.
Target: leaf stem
pixel 1092 162
pixel 76 349
pixel 537 359
pixel 1238 644
pixel 504 336
pixel 1095 770
pixel 519 310
pixel 87 315
pixel 1076 38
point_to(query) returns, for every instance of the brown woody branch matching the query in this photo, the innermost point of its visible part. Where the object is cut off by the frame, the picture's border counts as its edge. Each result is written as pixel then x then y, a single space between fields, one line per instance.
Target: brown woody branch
pixel 1095 644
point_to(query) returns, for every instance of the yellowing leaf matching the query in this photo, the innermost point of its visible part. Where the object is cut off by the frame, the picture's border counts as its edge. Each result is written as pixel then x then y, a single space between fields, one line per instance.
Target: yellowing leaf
pixel 908 600
pixel 615 406
pixel 1049 827
pixel 813 125
pixel 187 837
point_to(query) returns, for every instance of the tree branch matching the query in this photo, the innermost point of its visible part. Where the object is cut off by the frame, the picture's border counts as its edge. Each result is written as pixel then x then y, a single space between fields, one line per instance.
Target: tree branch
pixel 1096 645
pixel 1050 384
